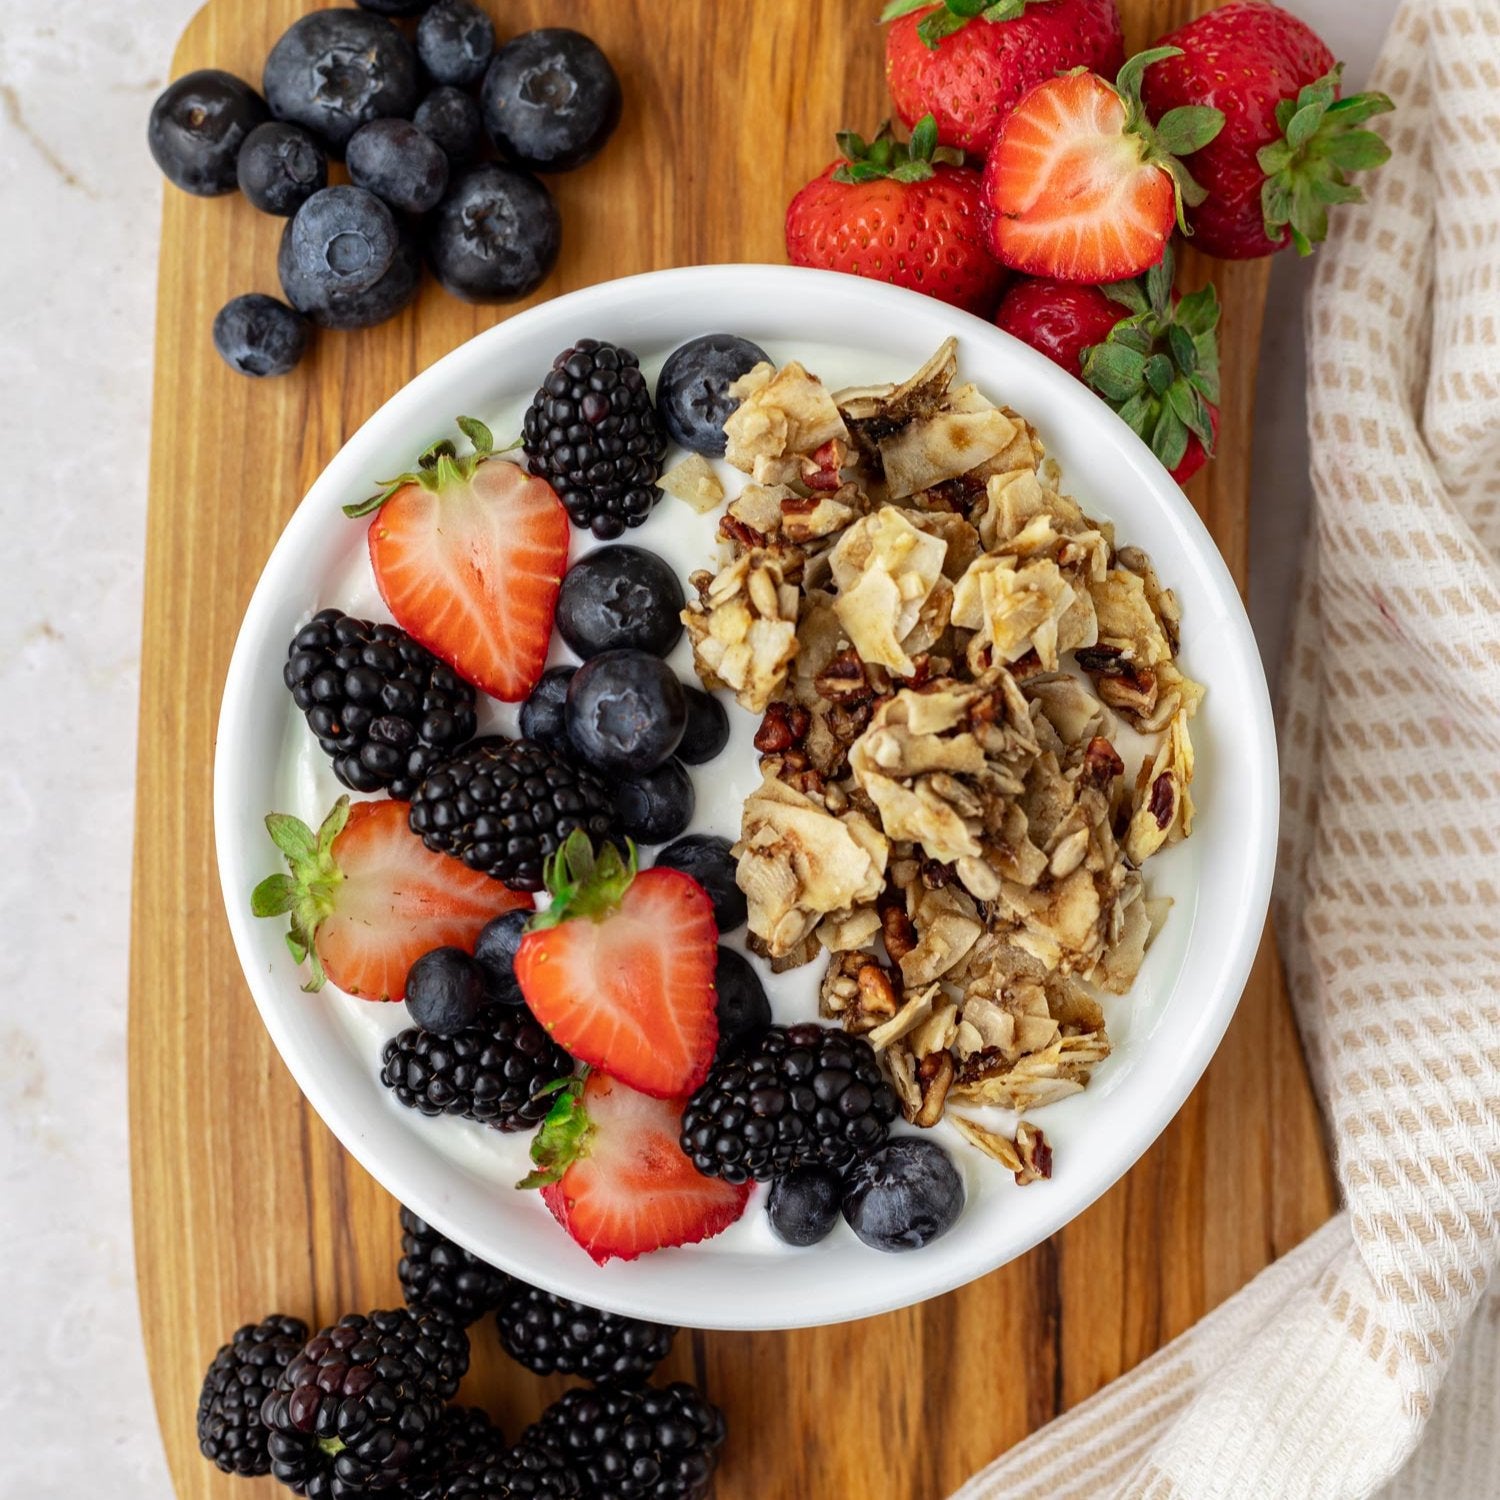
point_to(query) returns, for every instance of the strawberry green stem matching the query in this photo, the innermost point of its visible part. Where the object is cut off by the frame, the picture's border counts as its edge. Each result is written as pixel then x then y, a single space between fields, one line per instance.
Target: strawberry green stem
pixel 564 1135
pixel 884 156
pixel 584 885
pixel 953 15
pixel 308 893
pixel 1306 167
pixel 438 467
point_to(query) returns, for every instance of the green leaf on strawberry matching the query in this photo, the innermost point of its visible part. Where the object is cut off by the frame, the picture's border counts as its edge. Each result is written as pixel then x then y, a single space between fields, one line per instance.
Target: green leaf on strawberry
pixel 885 156
pixel 1159 367
pixel 563 1135
pixel 1321 140
pixel 954 15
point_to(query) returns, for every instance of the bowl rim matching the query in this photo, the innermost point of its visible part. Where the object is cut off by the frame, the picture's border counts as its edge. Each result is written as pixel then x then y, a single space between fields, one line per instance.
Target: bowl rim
pixel 745 284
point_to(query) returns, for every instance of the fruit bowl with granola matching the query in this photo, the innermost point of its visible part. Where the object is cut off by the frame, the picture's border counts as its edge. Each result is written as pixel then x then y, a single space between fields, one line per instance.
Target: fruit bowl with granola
pixel 738 773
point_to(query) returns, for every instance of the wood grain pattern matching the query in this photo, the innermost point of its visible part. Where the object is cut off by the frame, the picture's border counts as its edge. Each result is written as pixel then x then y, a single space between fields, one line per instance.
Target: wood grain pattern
pixel 244 1202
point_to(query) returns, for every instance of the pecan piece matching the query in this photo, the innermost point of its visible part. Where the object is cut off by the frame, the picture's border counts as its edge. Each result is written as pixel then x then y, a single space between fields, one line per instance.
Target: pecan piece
pixel 935 1078
pixel 843 680
pixel 1101 763
pixel 732 529
pixel 895 926
pixel 877 995
pixel 784 726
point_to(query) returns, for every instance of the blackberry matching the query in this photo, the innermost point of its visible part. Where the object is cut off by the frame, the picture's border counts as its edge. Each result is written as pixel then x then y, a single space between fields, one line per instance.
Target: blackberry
pixel 593 433
pixel 465 1436
pixel 657 1443
pixel 437 1273
pixel 490 1073
pixel 532 1470
pixel 804 1095
pixel 358 1405
pixel 244 1372
pixel 551 1335
pixel 504 807
pixel 384 708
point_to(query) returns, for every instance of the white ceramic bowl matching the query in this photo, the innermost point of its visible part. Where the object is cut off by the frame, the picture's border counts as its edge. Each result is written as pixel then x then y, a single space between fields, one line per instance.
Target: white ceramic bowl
pixel 458 1175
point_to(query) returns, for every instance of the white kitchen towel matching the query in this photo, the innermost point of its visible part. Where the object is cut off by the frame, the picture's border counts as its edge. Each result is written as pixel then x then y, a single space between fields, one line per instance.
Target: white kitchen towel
pixel 1320 1378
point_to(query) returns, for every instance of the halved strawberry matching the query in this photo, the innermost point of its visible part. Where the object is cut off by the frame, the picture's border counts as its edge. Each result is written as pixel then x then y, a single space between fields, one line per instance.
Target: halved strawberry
pixel 469 554
pixel 1082 186
pixel 620 968
pixel 611 1170
pixel 367 900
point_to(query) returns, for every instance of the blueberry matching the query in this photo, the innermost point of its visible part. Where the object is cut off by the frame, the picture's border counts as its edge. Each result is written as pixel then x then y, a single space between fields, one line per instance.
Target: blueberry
pixel 495 236
pixel 495 952
pixel 706 857
pixel 197 126
pixel 550 99
pixel 344 262
pixel 620 597
pixel 543 718
pixel 334 70
pixel 400 165
pixel 657 806
pixel 803 1206
pixel 692 392
pixel 445 991
pixel 626 712
pixel 455 41
pixel 280 167
pixel 257 335
pixel 904 1195
pixel 451 118
pixel 743 1009
pixel 707 729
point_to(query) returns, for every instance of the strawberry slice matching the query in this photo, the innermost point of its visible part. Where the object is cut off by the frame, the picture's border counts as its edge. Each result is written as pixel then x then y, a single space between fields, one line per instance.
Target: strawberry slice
pixel 620 968
pixel 469 553
pixel 367 899
pixel 1082 186
pixel 611 1170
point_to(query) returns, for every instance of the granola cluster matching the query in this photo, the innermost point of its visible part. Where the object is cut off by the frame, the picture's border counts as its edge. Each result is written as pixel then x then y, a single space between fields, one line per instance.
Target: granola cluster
pixel 950 659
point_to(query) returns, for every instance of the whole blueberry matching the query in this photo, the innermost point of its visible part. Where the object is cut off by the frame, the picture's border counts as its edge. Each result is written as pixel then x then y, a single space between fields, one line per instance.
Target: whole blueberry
pixel 904 1195
pixel 455 41
pixel 626 712
pixel 495 235
pixel 325 264
pixel 692 391
pixel 743 1009
pixel 257 335
pixel 400 165
pixel 803 1205
pixel 707 730
pixel 334 70
pixel 543 714
pixel 445 991
pixel 451 118
pixel 706 857
pixel 620 597
pixel 280 167
pixel 197 125
pixel 495 952
pixel 657 805
pixel 550 99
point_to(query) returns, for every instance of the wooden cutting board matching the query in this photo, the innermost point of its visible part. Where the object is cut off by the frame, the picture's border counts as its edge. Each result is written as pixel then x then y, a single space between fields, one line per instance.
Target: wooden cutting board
pixel 244 1203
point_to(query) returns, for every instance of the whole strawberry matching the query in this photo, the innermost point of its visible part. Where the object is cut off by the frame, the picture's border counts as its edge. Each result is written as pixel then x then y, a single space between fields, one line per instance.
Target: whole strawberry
pixel 1152 357
pixel 967 62
pixel 903 213
pixel 1288 142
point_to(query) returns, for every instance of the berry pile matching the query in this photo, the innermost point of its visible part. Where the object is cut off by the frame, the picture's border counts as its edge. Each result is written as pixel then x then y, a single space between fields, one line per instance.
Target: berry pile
pixel 1011 107
pixel 410 112
pixel 363 1407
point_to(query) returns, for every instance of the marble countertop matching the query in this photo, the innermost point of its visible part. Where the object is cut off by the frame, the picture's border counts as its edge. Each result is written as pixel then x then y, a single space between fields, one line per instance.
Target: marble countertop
pixel 77 292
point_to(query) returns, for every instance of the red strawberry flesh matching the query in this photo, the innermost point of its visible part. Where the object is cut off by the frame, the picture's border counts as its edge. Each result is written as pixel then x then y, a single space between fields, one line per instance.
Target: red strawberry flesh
pixel 632 1190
